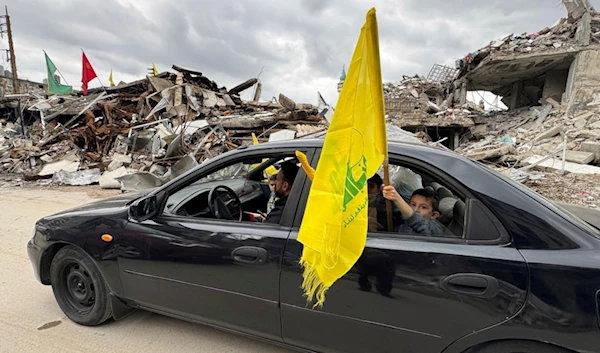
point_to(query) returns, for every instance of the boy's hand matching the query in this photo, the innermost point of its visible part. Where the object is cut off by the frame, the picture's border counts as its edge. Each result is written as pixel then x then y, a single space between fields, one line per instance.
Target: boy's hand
pixel 390 193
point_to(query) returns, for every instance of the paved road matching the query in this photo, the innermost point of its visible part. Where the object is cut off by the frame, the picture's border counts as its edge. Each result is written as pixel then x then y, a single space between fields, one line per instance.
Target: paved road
pixel 31 321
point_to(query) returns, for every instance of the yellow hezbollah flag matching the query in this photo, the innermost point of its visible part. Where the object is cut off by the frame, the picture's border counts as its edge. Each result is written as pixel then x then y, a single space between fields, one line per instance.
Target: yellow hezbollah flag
pixel 354 148
pixel 110 79
pixel 154 70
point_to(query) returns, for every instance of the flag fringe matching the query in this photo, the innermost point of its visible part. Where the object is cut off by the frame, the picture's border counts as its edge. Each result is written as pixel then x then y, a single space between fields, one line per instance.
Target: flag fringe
pixel 312 285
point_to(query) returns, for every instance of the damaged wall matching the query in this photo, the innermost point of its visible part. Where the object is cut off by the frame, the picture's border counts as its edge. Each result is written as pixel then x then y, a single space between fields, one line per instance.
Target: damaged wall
pixel 585 80
pixel 6 85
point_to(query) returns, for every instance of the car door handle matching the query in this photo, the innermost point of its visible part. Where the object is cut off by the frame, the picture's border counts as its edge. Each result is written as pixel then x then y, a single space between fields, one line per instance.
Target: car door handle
pixel 250 255
pixel 473 284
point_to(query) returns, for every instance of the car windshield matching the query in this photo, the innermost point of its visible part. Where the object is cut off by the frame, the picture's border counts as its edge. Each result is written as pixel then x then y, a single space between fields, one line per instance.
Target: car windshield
pixel 548 203
pixel 235 171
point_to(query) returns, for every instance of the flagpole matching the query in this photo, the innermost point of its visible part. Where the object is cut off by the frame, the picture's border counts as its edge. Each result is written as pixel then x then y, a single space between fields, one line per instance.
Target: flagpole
pixel 60 73
pixel 388 203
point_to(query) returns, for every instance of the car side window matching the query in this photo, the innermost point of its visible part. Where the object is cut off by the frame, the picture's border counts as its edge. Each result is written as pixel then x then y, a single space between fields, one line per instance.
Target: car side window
pixel 425 206
pixel 251 189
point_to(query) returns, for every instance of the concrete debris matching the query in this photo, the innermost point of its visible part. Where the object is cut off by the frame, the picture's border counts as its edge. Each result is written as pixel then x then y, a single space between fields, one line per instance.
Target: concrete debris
pixel 418 105
pixel 82 177
pixel 108 180
pixel 570 167
pixel 579 157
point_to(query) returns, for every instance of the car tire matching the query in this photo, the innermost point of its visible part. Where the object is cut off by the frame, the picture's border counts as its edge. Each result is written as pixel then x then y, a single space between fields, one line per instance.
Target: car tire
pixel 517 346
pixel 79 287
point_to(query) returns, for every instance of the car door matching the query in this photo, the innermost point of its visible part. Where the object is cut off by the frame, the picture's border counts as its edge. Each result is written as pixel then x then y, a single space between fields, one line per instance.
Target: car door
pixel 410 293
pixel 220 272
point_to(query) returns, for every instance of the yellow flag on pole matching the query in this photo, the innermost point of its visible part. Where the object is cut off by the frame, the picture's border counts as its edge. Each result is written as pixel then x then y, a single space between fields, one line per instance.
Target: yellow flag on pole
pixel 110 79
pixel 154 70
pixel 354 148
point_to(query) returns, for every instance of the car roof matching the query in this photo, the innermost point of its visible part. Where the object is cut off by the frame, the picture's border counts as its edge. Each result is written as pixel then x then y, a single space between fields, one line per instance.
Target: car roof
pixel 404 148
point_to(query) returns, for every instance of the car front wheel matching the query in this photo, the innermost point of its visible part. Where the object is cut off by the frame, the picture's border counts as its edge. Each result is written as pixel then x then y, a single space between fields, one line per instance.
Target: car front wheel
pixel 79 288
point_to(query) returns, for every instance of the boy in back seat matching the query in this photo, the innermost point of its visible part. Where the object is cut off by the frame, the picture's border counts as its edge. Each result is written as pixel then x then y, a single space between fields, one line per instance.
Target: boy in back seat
pixel 420 216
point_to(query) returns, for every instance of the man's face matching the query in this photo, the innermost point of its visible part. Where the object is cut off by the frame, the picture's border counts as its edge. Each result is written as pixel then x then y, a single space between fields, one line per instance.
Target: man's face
pixel 282 186
pixel 423 207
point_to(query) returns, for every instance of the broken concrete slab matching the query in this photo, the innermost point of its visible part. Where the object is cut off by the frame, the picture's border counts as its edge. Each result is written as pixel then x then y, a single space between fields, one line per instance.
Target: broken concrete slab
pixel 489 154
pixel 549 133
pixel 580 157
pixel 108 179
pixel 286 102
pixel 592 147
pixel 68 164
pixel 77 178
pixel 554 163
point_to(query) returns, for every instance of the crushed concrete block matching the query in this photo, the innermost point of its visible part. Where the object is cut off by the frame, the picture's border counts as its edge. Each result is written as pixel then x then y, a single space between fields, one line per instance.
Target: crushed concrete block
pixel 580 157
pixel 549 133
pixel 593 147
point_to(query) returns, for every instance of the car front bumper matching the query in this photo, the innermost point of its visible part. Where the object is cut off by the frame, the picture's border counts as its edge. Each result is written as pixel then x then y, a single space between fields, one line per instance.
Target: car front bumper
pixel 35 255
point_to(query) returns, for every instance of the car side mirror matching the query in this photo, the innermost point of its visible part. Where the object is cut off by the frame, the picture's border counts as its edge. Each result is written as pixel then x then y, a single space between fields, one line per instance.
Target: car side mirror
pixel 143 209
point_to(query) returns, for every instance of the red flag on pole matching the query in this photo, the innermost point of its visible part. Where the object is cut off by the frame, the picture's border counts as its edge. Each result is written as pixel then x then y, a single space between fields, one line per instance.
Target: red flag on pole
pixel 87 74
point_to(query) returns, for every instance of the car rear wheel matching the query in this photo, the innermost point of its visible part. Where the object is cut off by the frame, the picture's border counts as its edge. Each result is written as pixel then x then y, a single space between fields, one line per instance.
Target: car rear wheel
pixel 79 288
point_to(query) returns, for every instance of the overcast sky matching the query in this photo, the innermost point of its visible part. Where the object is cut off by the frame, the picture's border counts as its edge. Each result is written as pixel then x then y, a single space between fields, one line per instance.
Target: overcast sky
pixel 302 44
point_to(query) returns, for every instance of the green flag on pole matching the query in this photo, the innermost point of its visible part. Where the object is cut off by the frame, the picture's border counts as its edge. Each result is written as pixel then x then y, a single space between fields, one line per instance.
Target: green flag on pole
pixel 54 86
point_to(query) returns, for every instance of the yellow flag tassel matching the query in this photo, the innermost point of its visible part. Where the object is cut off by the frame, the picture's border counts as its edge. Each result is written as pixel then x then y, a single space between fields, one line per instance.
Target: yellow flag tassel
pixel 312 285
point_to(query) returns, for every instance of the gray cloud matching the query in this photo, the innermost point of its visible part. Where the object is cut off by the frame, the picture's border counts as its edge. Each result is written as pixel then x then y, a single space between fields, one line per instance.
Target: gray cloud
pixel 301 44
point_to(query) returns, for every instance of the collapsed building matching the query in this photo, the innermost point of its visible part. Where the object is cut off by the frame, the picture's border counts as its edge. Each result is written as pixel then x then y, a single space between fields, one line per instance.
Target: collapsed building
pixel 157 127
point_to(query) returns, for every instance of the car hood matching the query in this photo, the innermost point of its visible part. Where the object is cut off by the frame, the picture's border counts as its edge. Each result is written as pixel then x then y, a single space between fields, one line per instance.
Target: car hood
pixel 108 203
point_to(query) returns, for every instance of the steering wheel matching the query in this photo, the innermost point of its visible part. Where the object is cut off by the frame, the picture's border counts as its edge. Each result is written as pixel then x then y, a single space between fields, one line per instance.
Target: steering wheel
pixel 226 206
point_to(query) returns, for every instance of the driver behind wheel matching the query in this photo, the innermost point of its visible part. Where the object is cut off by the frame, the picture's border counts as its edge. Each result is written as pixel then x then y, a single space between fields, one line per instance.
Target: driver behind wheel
pixel 283 186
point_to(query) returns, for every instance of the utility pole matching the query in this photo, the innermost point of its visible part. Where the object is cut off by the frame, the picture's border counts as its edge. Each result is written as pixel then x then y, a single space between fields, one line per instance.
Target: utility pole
pixel 13 60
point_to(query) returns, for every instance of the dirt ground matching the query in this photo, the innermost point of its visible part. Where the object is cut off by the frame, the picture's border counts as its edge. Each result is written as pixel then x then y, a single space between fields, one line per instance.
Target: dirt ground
pixel 30 319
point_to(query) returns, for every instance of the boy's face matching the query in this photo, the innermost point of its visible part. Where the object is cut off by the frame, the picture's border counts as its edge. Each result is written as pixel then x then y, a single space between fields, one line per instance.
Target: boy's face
pixel 272 184
pixel 423 207
pixel 372 188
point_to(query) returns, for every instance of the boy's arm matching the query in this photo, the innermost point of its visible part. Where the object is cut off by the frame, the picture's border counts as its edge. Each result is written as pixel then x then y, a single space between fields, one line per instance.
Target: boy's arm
pixel 390 193
pixel 424 226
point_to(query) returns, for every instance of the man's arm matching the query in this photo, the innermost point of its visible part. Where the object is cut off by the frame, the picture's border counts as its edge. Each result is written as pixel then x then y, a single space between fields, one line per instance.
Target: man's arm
pixel 390 193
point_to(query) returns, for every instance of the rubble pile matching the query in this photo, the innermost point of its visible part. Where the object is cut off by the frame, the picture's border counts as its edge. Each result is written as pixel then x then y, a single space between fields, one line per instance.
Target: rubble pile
pixel 162 125
pixel 416 101
pixel 562 36
pixel 542 146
